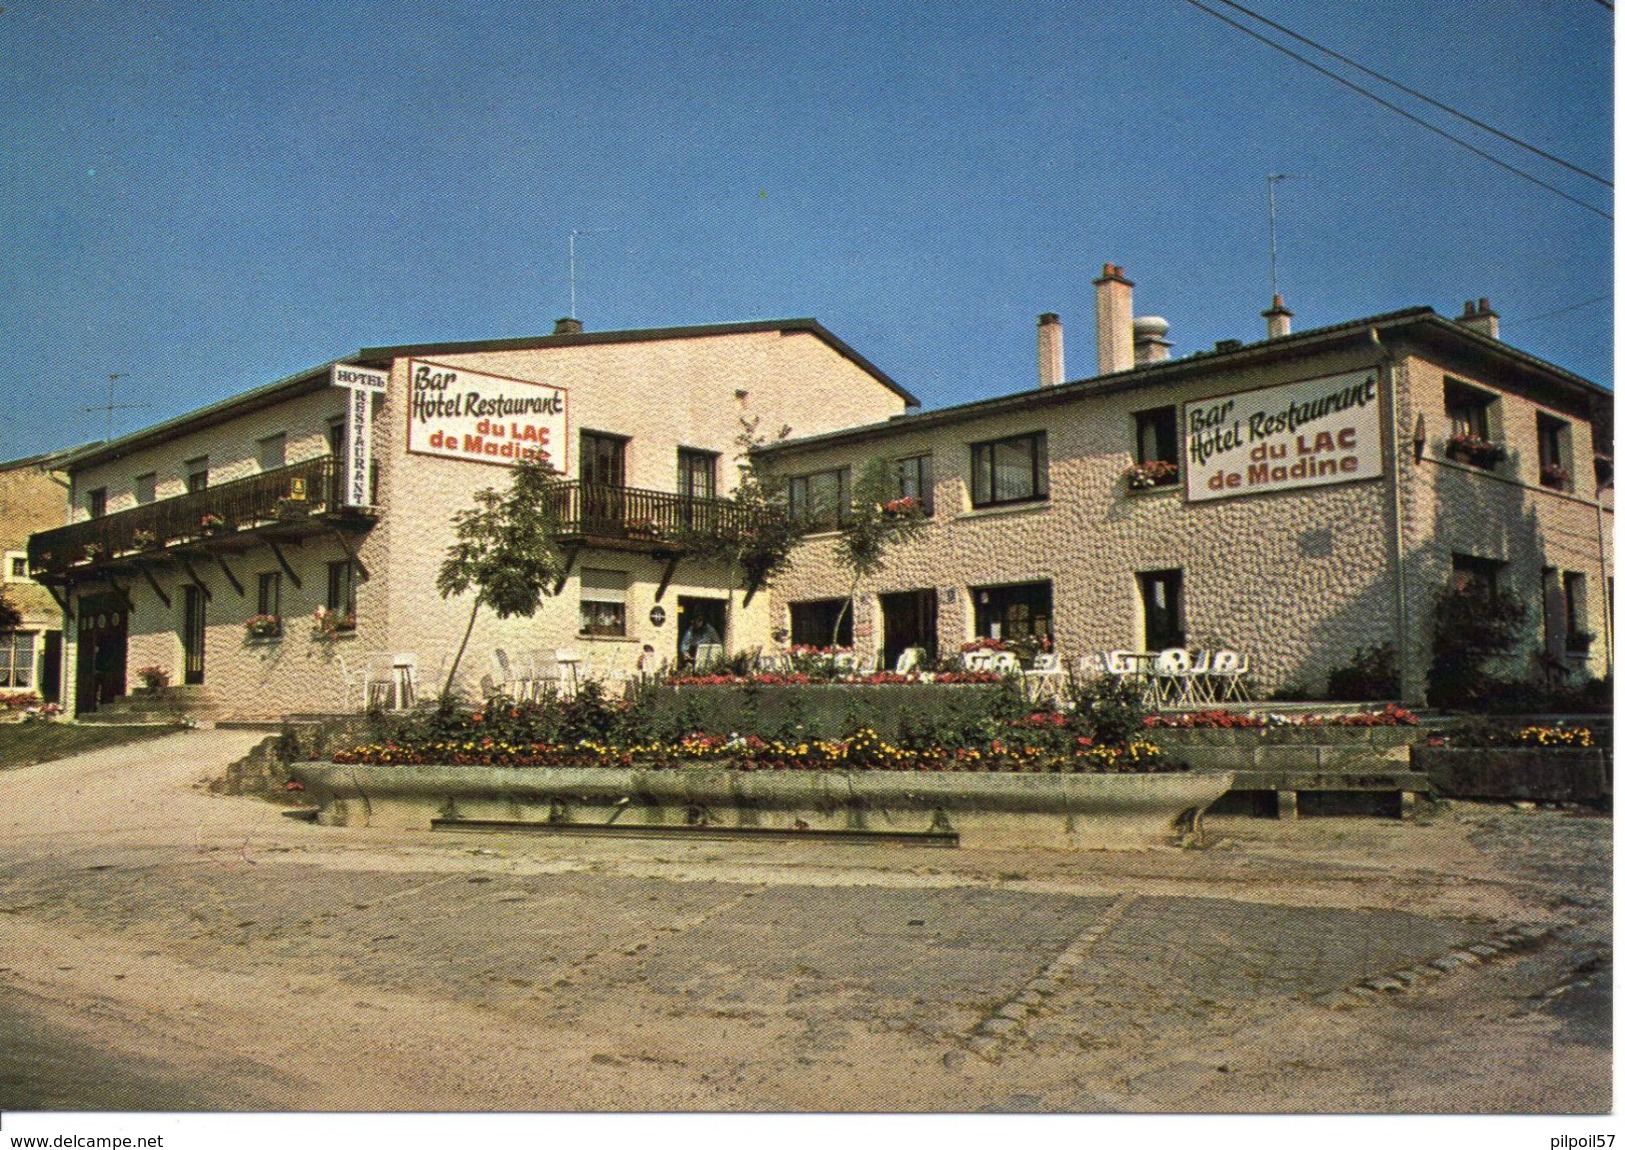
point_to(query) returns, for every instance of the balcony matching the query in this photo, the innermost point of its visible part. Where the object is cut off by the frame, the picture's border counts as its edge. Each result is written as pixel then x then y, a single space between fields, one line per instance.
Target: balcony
pixel 287 503
pixel 632 519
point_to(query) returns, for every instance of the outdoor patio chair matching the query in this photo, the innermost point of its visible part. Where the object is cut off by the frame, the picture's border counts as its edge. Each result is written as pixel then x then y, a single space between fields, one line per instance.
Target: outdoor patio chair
pixel 707 656
pixel 1227 675
pixel 1170 676
pixel 1046 680
pixel 911 660
pixel 844 663
pixel 351 681
pixel 1003 663
pixel 1092 665
pixel 1199 683
pixel 405 675
pixel 544 675
pixel 977 660
pixel 378 682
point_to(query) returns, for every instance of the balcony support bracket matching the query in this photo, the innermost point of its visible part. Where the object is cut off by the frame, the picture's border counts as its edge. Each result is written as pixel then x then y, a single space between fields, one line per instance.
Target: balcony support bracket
pixel 236 586
pixel 123 594
pixel 665 576
pixel 569 566
pixel 156 590
pixel 197 580
pixel 754 586
pixel 350 553
pixel 283 562
pixel 63 601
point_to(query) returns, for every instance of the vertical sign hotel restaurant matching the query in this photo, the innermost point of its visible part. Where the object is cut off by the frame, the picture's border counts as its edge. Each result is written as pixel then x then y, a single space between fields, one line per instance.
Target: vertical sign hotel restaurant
pixel 461 414
pixel 362 383
pixel 1303 434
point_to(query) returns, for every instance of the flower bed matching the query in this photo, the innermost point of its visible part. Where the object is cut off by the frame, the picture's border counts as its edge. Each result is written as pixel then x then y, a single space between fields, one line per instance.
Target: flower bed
pixel 1389 716
pixel 805 679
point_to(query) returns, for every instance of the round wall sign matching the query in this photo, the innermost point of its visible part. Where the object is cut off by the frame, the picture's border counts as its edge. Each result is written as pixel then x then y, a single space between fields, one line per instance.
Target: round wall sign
pixel 657 615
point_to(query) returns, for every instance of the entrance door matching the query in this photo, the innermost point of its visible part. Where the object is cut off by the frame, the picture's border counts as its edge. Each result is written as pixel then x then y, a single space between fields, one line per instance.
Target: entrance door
pixel 701 624
pixel 910 620
pixel 99 669
pixel 50 675
pixel 192 633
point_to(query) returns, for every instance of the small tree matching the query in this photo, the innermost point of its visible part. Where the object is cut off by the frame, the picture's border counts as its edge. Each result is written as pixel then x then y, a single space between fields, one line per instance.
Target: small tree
pixel 877 522
pixel 505 551
pixel 1471 629
pixel 10 616
pixel 759 535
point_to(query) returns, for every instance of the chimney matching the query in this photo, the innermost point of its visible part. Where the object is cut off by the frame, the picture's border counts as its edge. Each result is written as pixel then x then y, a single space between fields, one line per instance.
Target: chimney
pixel 1480 318
pixel 1150 342
pixel 569 325
pixel 1114 321
pixel 1277 321
pixel 1051 357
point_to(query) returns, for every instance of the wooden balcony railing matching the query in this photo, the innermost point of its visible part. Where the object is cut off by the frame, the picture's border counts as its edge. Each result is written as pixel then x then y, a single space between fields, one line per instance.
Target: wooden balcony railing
pixel 634 516
pixel 287 494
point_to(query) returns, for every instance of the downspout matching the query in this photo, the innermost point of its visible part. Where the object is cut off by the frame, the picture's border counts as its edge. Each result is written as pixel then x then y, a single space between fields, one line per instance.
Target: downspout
pixel 1607 599
pixel 1385 373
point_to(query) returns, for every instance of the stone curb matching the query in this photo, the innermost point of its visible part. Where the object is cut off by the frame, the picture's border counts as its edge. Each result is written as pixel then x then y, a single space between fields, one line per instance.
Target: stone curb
pixel 1005 1023
pixel 1376 988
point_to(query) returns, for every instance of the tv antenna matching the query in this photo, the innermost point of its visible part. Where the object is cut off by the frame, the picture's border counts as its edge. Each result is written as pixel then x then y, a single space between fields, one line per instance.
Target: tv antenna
pixel 1273 179
pixel 574 232
pixel 110 407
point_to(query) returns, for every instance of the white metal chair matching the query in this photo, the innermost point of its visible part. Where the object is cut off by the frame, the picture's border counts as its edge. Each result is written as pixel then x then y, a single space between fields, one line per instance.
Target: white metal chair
pixel 910 661
pixel 1003 663
pixel 352 681
pixel 844 663
pixel 378 682
pixel 979 659
pixel 1171 676
pixel 404 676
pixel 1199 684
pixel 707 655
pixel 1046 678
pixel 1227 674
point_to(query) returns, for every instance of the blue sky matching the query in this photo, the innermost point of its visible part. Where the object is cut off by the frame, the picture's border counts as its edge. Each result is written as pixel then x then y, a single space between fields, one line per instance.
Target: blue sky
pixel 207 197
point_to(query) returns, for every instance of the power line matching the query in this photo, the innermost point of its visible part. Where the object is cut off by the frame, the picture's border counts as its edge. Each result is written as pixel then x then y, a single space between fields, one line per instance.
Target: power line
pixel 1418 95
pixel 1395 108
pixel 1571 307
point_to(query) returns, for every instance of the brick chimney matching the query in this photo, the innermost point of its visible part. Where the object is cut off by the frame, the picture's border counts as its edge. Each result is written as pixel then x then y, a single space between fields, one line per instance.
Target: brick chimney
pixel 1480 318
pixel 569 325
pixel 1114 321
pixel 1277 320
pixel 1051 356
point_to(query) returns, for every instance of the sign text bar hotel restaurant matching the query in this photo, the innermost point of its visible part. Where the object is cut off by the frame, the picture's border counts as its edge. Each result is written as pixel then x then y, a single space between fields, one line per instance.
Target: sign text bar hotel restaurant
pixel 362 383
pixel 1303 434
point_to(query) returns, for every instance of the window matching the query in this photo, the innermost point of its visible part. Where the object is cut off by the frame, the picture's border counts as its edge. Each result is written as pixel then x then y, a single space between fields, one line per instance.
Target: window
pixel 16 658
pixel 914 480
pixel 1472 425
pixel 820 500
pixel 1470 575
pixel 696 473
pixel 17 567
pixel 270 598
pixel 1015 612
pixel 197 473
pixel 1156 437
pixel 1555 452
pixel 273 451
pixel 812 623
pixel 341 591
pixel 603 601
pixel 338 447
pixel 1013 470
pixel 96 502
pixel 1577 638
pixel 1162 609
pixel 146 487
pixel 603 459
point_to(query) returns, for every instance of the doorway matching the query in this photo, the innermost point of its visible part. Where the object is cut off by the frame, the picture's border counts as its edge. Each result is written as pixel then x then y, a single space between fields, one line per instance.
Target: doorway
pixel 910 620
pixel 193 631
pixel 701 623
pixel 99 666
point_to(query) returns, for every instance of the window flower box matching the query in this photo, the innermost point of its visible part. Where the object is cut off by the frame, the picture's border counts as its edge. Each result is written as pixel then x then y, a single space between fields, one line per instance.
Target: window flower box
pixel 330 624
pixel 1474 449
pixel 210 523
pixel 1152 473
pixel 143 540
pixel 263 626
pixel 1554 475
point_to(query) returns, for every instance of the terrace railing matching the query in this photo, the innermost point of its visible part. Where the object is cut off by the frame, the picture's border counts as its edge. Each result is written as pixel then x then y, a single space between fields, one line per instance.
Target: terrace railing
pixel 285 494
pixel 630 514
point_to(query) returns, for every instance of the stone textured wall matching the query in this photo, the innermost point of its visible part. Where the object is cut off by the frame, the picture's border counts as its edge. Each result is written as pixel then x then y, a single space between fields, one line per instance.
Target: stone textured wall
pixel 32 498
pixel 1299 580
pixel 662 394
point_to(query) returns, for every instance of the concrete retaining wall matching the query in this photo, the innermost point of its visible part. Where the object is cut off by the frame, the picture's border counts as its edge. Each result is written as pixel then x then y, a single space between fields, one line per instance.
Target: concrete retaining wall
pixel 1538 774
pixel 1069 812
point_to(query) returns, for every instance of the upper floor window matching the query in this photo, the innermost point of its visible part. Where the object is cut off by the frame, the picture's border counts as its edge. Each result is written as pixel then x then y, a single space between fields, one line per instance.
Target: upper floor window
pixel 341 592
pixel 1472 425
pixel 696 473
pixel 1576 636
pixel 1556 452
pixel 270 594
pixel 146 487
pixel 197 473
pixel 820 499
pixel 96 502
pixel 1011 470
pixel 338 444
pixel 603 459
pixel 1470 575
pixel 273 451
pixel 17 567
pixel 1156 435
pixel 914 480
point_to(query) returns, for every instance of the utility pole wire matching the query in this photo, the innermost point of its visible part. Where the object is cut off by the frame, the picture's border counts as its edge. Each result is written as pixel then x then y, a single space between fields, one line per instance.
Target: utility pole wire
pixel 1392 107
pixel 1420 96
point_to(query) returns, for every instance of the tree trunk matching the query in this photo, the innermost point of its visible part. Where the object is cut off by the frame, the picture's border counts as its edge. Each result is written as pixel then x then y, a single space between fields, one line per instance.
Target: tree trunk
pixel 451 676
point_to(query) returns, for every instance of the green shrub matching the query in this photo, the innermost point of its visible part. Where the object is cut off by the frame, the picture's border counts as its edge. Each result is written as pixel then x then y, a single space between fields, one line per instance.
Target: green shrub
pixel 1110 710
pixel 1372 674
pixel 1472 628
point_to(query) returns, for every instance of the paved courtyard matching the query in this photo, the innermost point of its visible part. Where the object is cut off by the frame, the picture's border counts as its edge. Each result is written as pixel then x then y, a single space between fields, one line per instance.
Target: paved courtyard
pixel 168 948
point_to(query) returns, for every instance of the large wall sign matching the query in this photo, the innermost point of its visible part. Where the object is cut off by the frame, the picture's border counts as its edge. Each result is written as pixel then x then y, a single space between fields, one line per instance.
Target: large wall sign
pixel 1303 434
pixel 362 383
pixel 461 414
